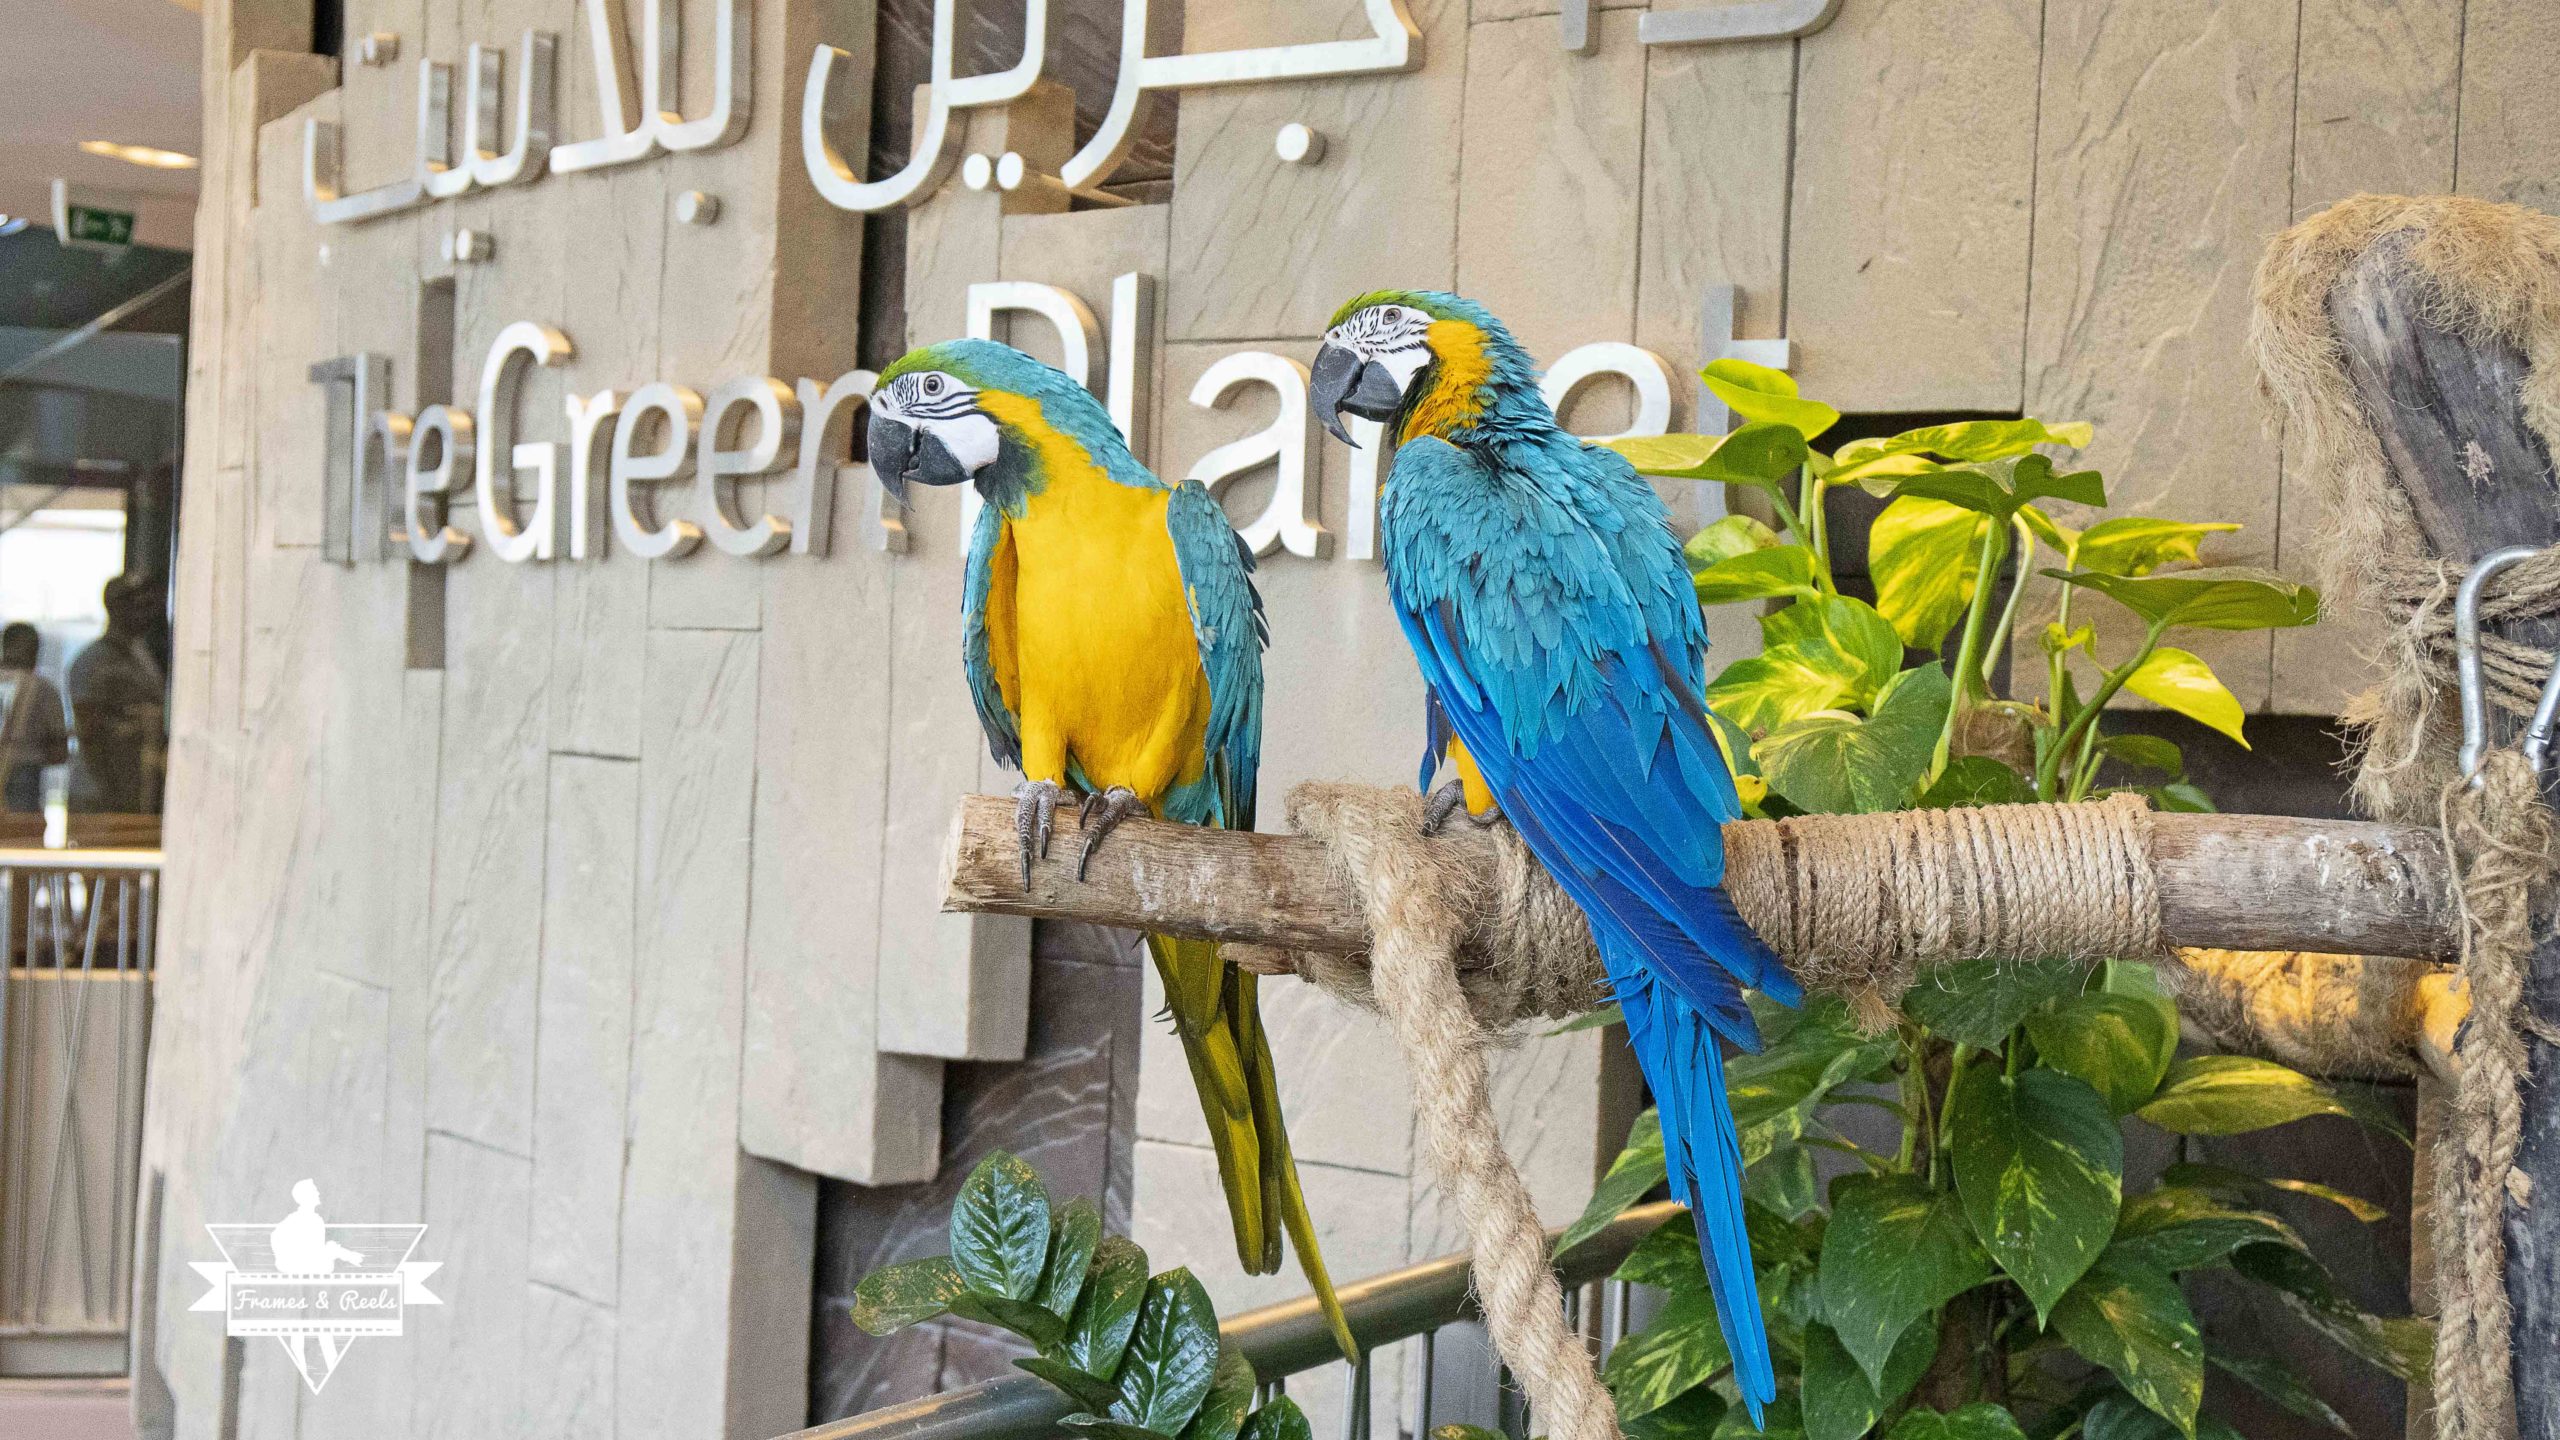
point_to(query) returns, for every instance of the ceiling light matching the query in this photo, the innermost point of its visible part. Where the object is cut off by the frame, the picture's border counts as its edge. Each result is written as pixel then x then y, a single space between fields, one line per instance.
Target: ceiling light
pixel 143 155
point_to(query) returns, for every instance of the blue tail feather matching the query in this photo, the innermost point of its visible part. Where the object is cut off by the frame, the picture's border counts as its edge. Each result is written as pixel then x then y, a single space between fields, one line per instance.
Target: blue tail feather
pixel 1676 1048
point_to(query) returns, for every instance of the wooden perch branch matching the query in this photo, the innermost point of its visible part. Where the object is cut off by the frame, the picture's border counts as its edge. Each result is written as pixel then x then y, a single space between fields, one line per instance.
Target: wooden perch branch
pixel 2234 882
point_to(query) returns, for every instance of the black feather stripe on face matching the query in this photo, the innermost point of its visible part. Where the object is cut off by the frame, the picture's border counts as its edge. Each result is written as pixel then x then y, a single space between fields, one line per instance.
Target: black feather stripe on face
pixel 930 395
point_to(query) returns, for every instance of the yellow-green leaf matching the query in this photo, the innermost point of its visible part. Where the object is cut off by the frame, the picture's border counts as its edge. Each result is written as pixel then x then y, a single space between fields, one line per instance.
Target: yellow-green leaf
pixel 1756 392
pixel 1924 556
pixel 1758 575
pixel 2139 544
pixel 2174 679
pixel 1733 535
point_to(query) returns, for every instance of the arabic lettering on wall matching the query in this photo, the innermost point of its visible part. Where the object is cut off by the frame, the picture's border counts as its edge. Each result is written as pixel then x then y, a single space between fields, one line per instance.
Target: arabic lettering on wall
pixel 637 118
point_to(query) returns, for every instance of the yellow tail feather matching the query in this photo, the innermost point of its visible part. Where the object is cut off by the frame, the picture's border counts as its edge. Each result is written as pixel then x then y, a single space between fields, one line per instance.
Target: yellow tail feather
pixel 1218 1018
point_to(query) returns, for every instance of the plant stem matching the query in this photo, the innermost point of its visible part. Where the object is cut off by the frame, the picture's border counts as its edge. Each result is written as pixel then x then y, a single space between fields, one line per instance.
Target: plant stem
pixel 2082 731
pixel 1968 676
pixel 1818 534
pixel 2009 612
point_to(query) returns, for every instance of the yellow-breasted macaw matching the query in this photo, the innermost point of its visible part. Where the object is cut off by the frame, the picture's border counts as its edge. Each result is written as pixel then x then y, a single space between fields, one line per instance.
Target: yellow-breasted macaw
pixel 1551 612
pixel 1114 650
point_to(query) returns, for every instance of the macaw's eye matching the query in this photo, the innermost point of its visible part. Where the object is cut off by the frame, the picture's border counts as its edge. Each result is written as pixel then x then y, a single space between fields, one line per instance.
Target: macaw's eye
pixel 932 384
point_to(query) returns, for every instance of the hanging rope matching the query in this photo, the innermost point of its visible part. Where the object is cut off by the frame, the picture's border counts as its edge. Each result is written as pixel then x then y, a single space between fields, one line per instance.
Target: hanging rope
pixel 2489 273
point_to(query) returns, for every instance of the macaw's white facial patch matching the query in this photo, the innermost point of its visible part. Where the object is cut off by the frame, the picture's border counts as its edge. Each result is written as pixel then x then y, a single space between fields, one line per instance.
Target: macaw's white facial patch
pixel 944 406
pixel 1380 331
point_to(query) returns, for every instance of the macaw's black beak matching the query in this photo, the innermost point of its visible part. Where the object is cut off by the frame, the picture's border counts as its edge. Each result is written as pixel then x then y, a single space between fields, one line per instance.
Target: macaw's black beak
pixel 1343 383
pixel 901 455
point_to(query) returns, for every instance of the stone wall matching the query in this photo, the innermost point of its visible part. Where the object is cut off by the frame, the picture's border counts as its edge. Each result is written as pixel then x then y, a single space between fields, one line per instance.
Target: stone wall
pixel 584 909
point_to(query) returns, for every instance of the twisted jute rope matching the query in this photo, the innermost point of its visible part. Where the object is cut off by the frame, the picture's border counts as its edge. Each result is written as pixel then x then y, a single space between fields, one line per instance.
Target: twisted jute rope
pixel 1856 904
pixel 2491 275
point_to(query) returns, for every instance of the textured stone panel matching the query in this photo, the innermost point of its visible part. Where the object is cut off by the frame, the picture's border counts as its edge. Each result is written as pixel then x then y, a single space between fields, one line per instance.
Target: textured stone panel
pixel 1915 156
pixel 681 1175
pixel 1343 1082
pixel 476 1382
pixel 1717 121
pixel 1548 183
pixel 2379 82
pixel 569 1345
pixel 583 1030
pixel 818 1092
pixel 2168 113
pixel 2510 108
pixel 1271 248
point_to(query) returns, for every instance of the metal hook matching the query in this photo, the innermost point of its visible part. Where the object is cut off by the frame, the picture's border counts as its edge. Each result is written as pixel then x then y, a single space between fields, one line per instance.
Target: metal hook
pixel 2475 701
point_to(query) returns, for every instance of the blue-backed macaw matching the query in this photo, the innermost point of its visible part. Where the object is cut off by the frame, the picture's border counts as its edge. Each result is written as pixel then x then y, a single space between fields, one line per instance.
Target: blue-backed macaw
pixel 1547 602
pixel 1113 643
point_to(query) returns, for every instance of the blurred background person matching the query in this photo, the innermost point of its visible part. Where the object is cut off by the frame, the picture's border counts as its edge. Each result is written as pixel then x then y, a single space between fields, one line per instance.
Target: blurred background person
pixel 119 706
pixel 32 732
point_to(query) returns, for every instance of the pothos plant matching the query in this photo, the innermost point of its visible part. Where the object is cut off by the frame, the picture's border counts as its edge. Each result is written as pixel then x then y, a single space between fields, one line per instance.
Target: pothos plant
pixel 1138 1354
pixel 1990 1276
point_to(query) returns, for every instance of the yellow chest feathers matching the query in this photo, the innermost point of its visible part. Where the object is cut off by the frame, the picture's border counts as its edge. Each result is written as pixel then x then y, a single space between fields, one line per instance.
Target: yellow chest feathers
pixel 1090 633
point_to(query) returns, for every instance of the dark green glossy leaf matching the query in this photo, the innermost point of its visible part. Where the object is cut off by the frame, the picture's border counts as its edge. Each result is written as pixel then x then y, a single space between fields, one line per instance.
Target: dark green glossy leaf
pixel 1172 1355
pixel 1103 1427
pixel 1772 1093
pixel 1683 1347
pixel 2228 597
pixel 1632 1176
pixel 2040 1166
pixel 1073 1234
pixel 892 1298
pixel 1019 1316
pixel 2234 1094
pixel 1784 1181
pixel 1783 1421
pixel 1840 764
pixel 1694 1416
pixel 2400 1346
pixel 1108 1309
pixel 1230 1395
pixel 2120 1044
pixel 2148 752
pixel 1978 1002
pixel 1000 1228
pixel 2241 1188
pixel 2131 1318
pixel 1668 1258
pixel 1977 780
pixel 2180 1227
pixel 1279 1420
pixel 1759 394
pixel 2120 1417
pixel 1085 1390
pixel 1981 1420
pixel 2276 1380
pixel 1895 1250
pixel 1840 1403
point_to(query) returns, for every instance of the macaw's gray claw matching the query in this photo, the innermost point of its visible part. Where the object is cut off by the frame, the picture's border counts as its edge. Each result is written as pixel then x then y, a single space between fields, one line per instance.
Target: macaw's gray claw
pixel 1448 800
pixel 1035 809
pixel 1102 816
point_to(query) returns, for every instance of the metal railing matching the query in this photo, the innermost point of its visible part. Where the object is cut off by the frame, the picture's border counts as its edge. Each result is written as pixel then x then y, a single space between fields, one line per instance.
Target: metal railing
pixel 75 1024
pixel 1411 1305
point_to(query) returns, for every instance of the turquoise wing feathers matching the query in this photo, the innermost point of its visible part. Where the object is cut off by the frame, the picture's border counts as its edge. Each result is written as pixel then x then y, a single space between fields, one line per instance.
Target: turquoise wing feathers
pixel 1003 727
pixel 1540 588
pixel 1227 621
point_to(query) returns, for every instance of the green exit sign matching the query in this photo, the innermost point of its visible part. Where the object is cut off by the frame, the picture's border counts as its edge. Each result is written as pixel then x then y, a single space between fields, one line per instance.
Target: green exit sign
pixel 87 224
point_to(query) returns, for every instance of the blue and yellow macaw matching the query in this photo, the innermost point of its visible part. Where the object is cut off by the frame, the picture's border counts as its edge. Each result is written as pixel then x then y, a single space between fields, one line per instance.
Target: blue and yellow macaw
pixel 1113 643
pixel 1547 602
